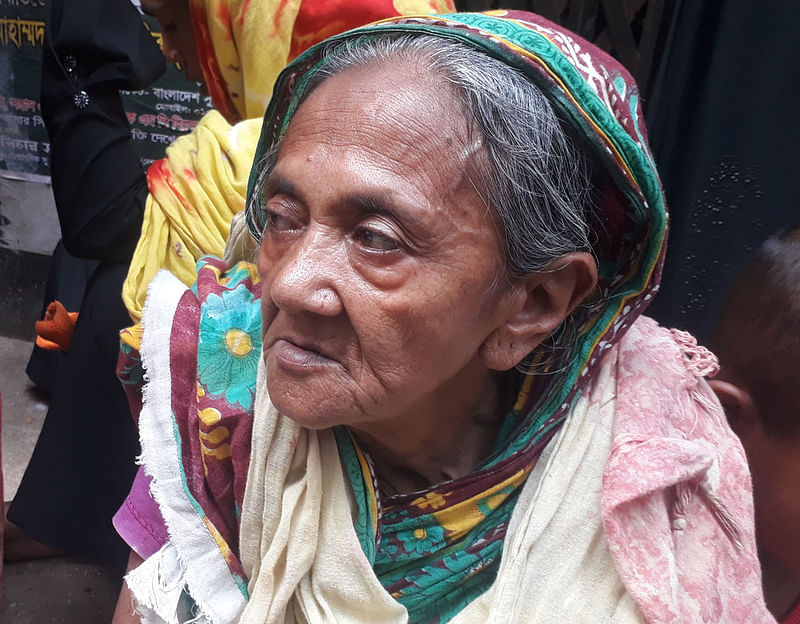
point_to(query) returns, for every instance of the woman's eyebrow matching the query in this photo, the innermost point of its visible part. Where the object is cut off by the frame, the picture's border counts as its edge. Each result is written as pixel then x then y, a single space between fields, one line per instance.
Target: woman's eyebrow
pixel 364 203
pixel 276 184
pixel 382 204
pixel 368 202
pixel 358 203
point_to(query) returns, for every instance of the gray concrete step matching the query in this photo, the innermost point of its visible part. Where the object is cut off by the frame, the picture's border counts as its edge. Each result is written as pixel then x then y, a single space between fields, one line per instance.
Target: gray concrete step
pixel 66 590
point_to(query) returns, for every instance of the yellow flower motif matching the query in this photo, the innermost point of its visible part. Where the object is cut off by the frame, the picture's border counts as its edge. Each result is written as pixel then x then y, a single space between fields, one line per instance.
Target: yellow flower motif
pixel 461 518
pixel 222 452
pixel 215 436
pixel 415 7
pixel 434 500
pixel 209 416
pixel 238 342
pixel 495 501
pixel 213 444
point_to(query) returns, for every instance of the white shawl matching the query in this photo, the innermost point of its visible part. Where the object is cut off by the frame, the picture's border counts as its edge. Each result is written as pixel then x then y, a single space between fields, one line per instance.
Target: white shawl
pixel 303 557
pixel 299 546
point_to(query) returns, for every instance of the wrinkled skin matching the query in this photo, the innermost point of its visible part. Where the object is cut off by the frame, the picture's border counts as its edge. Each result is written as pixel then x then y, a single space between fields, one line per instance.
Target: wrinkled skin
pixel 177 34
pixel 380 263
pixel 385 303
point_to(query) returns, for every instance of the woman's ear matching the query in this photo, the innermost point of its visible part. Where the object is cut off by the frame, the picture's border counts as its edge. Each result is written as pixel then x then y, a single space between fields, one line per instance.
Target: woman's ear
pixel 542 301
pixel 740 409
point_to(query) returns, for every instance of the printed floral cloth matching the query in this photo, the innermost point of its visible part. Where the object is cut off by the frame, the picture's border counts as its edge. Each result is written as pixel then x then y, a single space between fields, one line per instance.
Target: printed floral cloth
pixel 671 495
pixel 244 44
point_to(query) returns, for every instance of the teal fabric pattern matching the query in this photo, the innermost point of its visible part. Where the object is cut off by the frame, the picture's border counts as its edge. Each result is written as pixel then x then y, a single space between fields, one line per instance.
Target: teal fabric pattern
pixel 227 351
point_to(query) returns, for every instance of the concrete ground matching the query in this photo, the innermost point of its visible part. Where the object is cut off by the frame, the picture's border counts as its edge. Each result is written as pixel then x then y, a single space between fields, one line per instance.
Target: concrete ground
pixel 65 590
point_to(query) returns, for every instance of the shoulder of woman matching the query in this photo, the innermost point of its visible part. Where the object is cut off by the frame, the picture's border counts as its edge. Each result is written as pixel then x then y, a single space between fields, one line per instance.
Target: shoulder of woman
pixel 671 352
pixel 661 390
pixel 677 478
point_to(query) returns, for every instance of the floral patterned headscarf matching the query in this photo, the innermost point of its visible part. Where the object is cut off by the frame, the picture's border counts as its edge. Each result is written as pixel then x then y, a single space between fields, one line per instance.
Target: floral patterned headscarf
pixel 244 44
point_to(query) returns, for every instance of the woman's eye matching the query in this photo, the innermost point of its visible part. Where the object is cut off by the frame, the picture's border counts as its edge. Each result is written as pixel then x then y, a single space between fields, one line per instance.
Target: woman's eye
pixel 376 241
pixel 274 222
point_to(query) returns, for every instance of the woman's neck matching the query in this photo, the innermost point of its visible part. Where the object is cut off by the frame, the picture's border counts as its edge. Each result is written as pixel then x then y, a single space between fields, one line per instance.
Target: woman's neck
pixel 439 447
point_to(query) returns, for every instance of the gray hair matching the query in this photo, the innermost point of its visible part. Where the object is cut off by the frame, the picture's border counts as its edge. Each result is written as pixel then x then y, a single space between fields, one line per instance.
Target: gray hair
pixel 538 182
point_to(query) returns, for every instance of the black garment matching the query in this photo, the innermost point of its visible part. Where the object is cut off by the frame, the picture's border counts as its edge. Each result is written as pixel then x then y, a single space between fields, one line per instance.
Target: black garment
pixel 66 282
pixel 723 129
pixel 83 463
pixel 95 48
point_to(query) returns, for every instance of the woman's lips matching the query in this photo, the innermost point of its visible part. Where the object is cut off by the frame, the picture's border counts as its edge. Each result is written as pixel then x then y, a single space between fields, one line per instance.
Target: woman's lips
pixel 289 355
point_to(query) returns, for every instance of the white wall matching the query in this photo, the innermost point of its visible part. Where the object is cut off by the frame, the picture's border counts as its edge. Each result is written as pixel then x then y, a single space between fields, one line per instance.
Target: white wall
pixel 32 221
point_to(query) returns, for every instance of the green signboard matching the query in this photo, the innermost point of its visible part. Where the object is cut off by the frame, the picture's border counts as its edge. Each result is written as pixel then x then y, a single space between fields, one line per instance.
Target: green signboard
pixel 157 115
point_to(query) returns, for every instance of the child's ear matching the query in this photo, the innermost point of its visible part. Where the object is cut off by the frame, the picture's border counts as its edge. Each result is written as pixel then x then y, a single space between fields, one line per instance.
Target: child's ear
pixel 738 404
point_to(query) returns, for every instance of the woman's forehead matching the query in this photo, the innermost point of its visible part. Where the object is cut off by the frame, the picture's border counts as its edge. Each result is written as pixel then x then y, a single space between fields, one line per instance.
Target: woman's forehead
pixel 402 115
pixel 405 99
pixel 386 139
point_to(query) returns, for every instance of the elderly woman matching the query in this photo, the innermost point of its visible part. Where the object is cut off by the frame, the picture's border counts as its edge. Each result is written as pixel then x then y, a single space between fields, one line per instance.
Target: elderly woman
pixel 436 400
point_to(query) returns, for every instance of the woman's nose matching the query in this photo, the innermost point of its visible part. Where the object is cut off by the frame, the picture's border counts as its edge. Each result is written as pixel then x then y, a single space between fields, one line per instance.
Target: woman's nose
pixel 307 277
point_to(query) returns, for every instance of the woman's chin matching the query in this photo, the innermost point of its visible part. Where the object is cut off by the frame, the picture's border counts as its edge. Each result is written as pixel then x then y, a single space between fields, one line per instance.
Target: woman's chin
pixel 302 405
pixel 307 387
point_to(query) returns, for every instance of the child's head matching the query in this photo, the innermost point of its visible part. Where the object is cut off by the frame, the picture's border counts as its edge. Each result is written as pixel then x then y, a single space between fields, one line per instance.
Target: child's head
pixel 757 341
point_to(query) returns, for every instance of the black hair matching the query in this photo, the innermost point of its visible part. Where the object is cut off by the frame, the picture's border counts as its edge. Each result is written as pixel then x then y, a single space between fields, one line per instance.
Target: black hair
pixel 758 334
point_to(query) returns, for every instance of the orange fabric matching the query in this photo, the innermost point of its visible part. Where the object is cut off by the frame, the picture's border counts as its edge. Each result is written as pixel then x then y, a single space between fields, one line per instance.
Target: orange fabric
pixel 55 331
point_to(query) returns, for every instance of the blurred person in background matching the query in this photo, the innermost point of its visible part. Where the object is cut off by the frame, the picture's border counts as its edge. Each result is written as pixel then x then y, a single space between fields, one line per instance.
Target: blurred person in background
pixel 757 339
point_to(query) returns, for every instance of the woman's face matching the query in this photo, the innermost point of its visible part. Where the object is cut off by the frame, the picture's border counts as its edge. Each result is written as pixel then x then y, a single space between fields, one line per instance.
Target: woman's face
pixel 177 34
pixel 379 262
